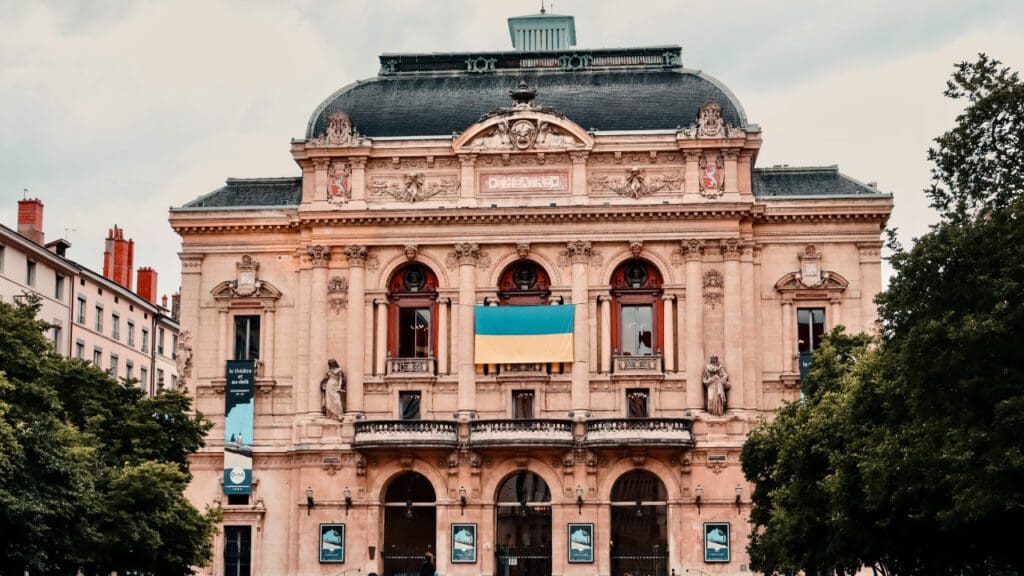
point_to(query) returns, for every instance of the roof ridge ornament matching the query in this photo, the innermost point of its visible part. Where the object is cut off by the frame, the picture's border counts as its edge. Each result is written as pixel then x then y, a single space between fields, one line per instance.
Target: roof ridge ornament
pixel 523 95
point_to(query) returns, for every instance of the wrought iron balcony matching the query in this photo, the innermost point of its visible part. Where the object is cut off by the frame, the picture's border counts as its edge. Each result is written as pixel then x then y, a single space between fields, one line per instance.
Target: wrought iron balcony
pixel 637 431
pixel 640 365
pixel 521 433
pixel 410 366
pixel 406 433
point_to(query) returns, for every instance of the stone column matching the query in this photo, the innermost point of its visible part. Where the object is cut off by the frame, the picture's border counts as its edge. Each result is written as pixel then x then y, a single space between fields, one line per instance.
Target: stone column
pixel 467 255
pixel 442 335
pixel 223 345
pixel 693 252
pixel 381 340
pixel 733 312
pixel 319 257
pixel 579 177
pixel 320 167
pixel 731 176
pixel 467 180
pixel 788 333
pixel 579 253
pixel 744 176
pixel 358 164
pixel 681 359
pixel 835 311
pixel 751 339
pixel 691 183
pixel 354 345
pixel 605 302
pixel 870 286
pixel 669 340
pixel 191 277
pixel 270 335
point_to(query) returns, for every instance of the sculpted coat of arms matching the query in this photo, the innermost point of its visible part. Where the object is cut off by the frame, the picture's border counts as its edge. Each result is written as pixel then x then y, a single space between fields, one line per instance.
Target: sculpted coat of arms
pixel 712 176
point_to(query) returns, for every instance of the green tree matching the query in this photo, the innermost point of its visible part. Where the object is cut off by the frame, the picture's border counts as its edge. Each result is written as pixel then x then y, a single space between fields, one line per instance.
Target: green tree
pixel 92 472
pixel 908 456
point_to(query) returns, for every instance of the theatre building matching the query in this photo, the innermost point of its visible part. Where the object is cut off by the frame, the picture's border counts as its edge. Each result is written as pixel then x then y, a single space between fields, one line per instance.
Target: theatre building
pixel 520 309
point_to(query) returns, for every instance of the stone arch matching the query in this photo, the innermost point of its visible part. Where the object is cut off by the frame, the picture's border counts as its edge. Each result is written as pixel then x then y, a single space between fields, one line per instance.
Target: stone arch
pixel 657 260
pixel 399 260
pixel 502 472
pixel 426 469
pixel 549 266
pixel 665 472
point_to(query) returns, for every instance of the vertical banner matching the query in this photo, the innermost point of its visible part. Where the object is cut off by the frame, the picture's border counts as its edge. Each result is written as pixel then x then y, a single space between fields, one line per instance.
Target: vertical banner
pixel 238 416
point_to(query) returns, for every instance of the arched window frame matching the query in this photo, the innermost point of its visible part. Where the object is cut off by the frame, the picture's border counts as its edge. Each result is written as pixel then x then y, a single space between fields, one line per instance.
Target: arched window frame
pixel 512 293
pixel 401 295
pixel 649 292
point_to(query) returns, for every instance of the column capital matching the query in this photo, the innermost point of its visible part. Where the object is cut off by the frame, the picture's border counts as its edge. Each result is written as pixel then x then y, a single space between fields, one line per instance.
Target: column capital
pixel 380 301
pixel 604 297
pixel 319 255
pixel 787 298
pixel 579 157
pixel 731 248
pixel 692 249
pixel 668 297
pixel 357 255
pixel 467 159
pixel 321 163
pixel 467 253
pixel 357 161
pixel 578 251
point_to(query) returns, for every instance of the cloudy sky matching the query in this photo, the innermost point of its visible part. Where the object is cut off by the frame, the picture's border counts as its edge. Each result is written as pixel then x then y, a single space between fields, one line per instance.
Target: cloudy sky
pixel 111 112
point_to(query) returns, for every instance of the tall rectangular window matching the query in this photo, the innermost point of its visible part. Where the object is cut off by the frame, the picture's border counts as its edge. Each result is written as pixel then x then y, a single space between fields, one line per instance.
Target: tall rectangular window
pixel 522 404
pixel 79 349
pixel 637 401
pixel 97 356
pixel 131 333
pixel 30 273
pixel 810 323
pixel 115 326
pixel 2 258
pixel 58 287
pixel 58 338
pixel 113 365
pixel 414 332
pixel 160 341
pixel 129 370
pixel 247 337
pixel 637 330
pixel 144 377
pixel 145 339
pixel 99 318
pixel 237 550
pixel 174 347
pixel 409 405
pixel 159 378
pixel 81 310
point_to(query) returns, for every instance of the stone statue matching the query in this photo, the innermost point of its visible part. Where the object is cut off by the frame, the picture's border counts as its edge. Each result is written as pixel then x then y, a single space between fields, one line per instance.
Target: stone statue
pixel 716 383
pixel 332 389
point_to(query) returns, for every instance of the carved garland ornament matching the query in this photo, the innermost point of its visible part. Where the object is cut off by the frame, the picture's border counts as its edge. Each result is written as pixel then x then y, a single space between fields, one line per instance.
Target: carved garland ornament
pixel 414 188
pixel 635 184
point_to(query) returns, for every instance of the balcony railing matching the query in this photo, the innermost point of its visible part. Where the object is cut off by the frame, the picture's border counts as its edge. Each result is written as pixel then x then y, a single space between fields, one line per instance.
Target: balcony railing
pixel 406 433
pixel 410 366
pixel 637 431
pixel 625 365
pixel 521 433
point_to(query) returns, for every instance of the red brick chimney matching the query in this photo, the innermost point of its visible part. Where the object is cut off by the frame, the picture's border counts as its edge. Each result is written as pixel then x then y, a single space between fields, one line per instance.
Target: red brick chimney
pixel 30 219
pixel 119 258
pixel 147 284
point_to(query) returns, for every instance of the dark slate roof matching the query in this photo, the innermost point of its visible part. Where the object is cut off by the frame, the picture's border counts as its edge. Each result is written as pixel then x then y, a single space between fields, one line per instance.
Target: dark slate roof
pixel 252 192
pixel 424 95
pixel 783 181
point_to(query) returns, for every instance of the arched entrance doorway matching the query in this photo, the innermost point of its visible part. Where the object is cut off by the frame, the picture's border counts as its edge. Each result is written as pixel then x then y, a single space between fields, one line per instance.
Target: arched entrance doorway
pixel 410 524
pixel 639 525
pixel 523 528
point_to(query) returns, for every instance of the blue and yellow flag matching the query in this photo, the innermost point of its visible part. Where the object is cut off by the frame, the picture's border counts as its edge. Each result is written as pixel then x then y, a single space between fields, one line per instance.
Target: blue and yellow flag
pixel 524 334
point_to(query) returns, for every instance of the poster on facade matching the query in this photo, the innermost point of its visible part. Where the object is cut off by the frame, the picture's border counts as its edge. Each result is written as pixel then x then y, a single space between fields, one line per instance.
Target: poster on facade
pixel 238 416
pixel 581 543
pixel 463 543
pixel 716 541
pixel 332 543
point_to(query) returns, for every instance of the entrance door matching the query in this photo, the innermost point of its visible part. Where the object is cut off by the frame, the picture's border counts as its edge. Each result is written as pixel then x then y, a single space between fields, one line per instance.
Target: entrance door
pixel 523 527
pixel 410 524
pixel 639 525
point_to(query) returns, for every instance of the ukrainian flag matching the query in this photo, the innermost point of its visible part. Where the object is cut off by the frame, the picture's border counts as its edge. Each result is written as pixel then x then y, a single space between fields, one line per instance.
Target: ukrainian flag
pixel 524 334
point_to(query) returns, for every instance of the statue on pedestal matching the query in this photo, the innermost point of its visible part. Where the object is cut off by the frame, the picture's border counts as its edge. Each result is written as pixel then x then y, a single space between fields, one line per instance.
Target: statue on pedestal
pixel 716 383
pixel 332 390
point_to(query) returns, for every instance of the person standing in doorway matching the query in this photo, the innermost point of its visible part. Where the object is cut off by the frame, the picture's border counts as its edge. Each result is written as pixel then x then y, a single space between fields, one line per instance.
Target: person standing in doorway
pixel 428 565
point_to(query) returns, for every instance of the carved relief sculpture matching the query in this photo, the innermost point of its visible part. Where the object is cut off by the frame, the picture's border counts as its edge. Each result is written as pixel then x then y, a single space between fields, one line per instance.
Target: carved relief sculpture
pixel 635 184
pixel 414 188
pixel 184 360
pixel 523 249
pixel 340 132
pixel 709 121
pixel 319 255
pixel 337 290
pixel 712 176
pixel 332 391
pixel 339 184
pixel 716 383
pixel 635 248
pixel 411 250
pixel 713 288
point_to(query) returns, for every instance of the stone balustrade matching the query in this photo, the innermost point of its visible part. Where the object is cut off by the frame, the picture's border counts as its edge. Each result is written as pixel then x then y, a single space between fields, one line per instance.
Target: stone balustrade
pixel 640 431
pixel 521 433
pixel 625 365
pixel 406 433
pixel 410 366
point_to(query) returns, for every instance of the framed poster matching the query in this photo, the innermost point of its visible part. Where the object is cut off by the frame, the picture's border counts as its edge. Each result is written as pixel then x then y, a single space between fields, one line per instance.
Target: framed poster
pixel 716 542
pixel 581 543
pixel 463 544
pixel 332 543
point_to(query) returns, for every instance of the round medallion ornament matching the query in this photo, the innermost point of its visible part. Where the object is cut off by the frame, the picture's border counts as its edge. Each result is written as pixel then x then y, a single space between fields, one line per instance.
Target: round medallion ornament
pixel 525 277
pixel 414 279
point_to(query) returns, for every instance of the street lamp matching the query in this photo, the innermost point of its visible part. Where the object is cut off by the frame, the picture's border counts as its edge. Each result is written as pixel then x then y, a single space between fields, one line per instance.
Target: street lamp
pixel 462 499
pixel 739 496
pixel 348 500
pixel 698 494
pixel 309 500
pixel 579 499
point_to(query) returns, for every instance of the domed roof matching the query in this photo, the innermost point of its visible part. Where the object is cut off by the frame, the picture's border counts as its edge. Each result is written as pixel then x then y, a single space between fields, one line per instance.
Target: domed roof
pixel 607 90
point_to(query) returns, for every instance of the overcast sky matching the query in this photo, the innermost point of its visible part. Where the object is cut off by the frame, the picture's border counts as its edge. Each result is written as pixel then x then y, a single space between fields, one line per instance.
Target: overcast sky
pixel 111 112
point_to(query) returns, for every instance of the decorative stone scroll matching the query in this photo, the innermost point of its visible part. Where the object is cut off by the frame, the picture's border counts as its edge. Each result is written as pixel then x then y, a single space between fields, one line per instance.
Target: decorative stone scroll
pixel 340 132
pixel 635 183
pixel 712 176
pixel 413 188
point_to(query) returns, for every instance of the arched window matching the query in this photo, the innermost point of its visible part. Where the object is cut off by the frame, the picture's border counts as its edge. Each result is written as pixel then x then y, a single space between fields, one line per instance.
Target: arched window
pixel 524 283
pixel 637 322
pixel 412 296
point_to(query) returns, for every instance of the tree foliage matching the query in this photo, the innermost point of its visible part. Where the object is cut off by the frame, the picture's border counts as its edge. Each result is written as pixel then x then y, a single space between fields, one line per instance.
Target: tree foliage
pixel 92 472
pixel 907 454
